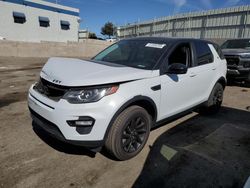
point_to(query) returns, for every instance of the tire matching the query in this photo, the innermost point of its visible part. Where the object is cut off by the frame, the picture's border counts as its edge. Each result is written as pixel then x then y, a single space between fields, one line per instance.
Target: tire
pixel 129 133
pixel 214 102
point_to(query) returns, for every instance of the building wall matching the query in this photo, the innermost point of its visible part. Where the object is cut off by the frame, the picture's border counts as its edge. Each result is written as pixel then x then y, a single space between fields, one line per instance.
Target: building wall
pixel 84 49
pixel 220 23
pixel 31 30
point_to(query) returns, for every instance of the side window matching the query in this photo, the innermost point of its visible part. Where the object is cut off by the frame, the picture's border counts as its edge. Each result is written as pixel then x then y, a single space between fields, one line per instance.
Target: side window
pixel 203 53
pixel 218 50
pixel 181 54
pixel 19 17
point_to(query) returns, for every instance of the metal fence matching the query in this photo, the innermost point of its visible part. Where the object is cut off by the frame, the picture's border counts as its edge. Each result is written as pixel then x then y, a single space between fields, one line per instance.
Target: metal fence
pixel 231 22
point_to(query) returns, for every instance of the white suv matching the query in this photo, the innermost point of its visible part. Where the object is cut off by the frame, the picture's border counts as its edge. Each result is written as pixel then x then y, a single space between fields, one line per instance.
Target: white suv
pixel 114 99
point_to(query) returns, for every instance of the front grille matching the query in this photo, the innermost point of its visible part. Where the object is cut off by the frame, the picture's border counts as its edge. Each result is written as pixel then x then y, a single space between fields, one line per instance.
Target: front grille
pixel 232 60
pixel 246 64
pixel 52 91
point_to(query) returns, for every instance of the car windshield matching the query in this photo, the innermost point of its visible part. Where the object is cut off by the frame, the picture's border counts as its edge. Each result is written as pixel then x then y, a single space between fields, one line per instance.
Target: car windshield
pixel 241 43
pixel 133 53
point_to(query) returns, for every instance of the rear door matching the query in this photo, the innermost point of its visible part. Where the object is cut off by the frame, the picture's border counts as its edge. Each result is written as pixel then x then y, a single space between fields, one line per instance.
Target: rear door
pixel 204 70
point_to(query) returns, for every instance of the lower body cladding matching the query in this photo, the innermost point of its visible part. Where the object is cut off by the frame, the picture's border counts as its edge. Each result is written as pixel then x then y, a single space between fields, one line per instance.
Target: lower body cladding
pixel 78 124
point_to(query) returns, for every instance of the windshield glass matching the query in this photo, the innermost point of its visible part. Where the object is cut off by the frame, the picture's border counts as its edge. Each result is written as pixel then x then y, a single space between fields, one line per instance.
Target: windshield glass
pixel 133 53
pixel 241 43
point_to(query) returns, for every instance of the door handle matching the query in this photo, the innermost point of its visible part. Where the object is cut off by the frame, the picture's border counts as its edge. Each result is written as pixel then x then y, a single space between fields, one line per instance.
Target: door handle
pixel 214 68
pixel 193 75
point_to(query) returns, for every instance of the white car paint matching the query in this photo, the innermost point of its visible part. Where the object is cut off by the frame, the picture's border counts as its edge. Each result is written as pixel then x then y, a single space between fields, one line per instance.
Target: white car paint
pixel 102 111
pixel 182 92
pixel 178 92
pixel 76 72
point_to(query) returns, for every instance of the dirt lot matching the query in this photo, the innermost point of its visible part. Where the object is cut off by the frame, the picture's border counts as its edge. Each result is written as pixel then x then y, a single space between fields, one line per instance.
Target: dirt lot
pixel 194 151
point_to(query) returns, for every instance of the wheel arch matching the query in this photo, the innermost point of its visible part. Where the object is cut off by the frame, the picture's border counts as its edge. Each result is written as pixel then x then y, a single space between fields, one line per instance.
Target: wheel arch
pixel 143 101
pixel 222 81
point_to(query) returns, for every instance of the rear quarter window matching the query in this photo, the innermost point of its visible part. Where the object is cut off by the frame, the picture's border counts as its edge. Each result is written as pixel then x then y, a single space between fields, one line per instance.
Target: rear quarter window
pixel 218 50
pixel 203 53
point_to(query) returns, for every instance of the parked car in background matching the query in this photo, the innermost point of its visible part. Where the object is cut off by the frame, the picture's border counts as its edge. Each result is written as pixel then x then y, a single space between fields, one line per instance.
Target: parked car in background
pixel 114 99
pixel 111 40
pixel 237 54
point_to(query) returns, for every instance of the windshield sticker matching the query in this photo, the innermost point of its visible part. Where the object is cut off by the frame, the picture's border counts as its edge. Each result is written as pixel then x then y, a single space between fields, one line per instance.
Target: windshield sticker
pixel 154 45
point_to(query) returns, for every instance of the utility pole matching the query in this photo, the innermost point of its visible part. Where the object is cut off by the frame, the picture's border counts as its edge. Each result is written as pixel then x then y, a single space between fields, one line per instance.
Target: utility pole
pixel 138 28
pixel 154 26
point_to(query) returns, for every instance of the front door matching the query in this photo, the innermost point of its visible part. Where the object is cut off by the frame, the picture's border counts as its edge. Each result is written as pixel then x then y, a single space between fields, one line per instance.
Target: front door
pixel 178 92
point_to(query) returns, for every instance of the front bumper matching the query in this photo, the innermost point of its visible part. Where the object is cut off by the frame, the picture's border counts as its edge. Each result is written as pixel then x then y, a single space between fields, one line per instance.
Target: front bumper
pixel 54 131
pixel 237 67
pixel 52 116
pixel 238 72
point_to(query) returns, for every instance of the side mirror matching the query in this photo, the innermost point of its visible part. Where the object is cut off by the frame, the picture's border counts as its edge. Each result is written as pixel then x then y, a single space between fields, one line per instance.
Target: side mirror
pixel 177 68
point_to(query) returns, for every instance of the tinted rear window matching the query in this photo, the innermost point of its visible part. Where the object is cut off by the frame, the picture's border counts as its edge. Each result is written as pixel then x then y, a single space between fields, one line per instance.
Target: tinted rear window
pixel 203 53
pixel 218 50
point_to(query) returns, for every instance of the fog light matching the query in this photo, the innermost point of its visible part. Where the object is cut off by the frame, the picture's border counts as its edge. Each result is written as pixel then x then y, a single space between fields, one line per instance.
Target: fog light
pixel 82 121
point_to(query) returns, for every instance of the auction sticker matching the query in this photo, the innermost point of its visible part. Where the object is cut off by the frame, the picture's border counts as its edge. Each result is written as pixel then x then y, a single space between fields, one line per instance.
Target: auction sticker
pixel 154 45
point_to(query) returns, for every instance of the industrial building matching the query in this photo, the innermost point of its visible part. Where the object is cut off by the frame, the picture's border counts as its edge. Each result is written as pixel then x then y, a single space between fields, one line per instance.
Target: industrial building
pixel 36 21
pixel 83 35
pixel 223 23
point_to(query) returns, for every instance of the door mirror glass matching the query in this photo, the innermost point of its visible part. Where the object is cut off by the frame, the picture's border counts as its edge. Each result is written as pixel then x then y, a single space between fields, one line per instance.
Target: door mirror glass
pixel 177 68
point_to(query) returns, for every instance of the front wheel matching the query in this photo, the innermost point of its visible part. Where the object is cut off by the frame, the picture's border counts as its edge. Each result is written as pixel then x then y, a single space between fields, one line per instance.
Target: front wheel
pixel 214 102
pixel 129 133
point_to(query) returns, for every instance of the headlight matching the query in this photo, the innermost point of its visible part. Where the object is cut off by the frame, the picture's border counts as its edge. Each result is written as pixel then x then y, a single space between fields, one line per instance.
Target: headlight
pixel 245 55
pixel 76 96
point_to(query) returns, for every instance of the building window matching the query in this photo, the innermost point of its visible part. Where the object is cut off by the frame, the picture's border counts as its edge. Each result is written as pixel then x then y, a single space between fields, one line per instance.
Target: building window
pixel 19 17
pixel 65 25
pixel 44 21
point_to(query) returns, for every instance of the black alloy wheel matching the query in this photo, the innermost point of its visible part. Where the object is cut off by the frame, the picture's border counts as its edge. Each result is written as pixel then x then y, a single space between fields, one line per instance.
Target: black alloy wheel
pixel 134 134
pixel 129 133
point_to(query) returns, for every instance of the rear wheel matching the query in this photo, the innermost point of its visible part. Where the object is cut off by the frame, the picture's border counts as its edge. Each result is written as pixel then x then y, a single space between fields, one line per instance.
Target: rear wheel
pixel 129 133
pixel 214 102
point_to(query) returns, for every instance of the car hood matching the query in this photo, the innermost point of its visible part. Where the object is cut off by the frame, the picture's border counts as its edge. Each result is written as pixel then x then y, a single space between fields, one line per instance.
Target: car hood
pixel 235 51
pixel 76 72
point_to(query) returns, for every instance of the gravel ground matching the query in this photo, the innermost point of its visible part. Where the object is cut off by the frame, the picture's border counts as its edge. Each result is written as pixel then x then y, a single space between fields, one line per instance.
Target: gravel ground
pixel 194 151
